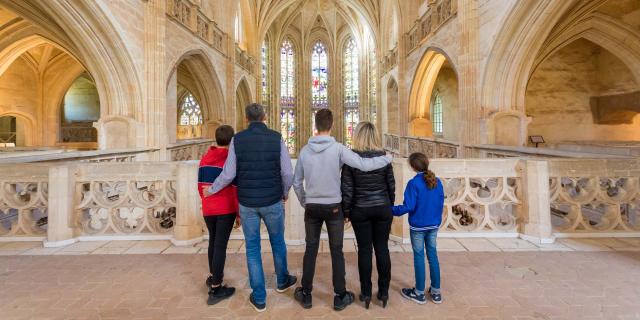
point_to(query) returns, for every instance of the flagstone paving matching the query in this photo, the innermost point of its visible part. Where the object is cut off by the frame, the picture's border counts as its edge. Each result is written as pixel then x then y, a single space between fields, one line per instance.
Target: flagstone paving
pixel 481 279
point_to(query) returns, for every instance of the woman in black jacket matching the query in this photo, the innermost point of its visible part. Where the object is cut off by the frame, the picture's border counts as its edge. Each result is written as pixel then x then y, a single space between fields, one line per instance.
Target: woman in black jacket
pixel 367 198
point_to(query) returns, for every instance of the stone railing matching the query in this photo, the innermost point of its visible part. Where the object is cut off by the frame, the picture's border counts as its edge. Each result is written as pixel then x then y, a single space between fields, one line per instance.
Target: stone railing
pixel 534 199
pixel 390 60
pixel 61 155
pixel 499 151
pixel 244 60
pixel 481 196
pixel 189 149
pixel 595 197
pixel 432 147
pixel 437 14
pixel 191 17
pixel 24 202
pixel 140 200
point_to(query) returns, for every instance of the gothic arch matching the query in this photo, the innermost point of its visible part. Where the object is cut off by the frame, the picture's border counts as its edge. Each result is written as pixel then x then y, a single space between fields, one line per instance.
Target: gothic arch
pixel 194 71
pixel 391 108
pixel 515 49
pixel 28 124
pixel 85 31
pixel 422 88
pixel 243 98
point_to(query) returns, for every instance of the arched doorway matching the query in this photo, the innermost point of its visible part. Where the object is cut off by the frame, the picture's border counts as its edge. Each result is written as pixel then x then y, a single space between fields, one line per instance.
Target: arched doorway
pixel 583 93
pixel 392 107
pixel 433 103
pixel 79 110
pixel 8 131
pixel 243 98
pixel 195 105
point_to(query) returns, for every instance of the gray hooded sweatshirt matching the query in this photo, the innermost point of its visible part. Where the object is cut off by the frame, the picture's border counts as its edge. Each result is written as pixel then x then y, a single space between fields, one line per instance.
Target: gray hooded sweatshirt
pixel 319 166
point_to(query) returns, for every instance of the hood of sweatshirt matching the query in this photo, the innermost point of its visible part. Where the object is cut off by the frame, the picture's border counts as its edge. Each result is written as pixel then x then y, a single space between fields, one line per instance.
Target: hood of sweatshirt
pixel 215 155
pixel 320 143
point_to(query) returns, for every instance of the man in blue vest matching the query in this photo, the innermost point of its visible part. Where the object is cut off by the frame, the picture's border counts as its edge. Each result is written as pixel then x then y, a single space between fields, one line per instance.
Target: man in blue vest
pixel 259 161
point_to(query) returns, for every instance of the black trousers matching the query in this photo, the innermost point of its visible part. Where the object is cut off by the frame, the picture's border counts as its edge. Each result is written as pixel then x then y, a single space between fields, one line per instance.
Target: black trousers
pixel 314 216
pixel 372 227
pixel 219 232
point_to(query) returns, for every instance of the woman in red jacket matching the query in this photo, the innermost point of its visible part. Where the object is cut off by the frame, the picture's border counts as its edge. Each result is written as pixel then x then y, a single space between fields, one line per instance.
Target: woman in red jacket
pixel 220 211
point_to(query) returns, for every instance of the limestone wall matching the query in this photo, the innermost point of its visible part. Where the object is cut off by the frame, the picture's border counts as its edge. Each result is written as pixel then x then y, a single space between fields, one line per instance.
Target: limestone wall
pixel 560 92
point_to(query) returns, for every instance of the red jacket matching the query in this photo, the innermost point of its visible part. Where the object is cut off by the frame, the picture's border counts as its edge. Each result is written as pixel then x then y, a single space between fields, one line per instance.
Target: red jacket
pixel 225 201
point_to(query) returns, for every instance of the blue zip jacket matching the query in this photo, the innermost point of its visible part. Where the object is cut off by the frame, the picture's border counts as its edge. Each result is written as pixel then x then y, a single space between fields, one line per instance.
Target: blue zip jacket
pixel 423 205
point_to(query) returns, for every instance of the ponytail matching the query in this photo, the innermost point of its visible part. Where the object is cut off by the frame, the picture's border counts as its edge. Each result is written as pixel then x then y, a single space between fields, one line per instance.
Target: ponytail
pixel 420 163
pixel 430 179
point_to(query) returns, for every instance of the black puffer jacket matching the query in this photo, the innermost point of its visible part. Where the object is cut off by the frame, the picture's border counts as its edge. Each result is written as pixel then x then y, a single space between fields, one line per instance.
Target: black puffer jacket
pixel 367 189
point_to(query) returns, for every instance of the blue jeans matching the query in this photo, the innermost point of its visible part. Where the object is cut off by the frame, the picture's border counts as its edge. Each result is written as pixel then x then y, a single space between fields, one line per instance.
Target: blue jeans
pixel 273 217
pixel 418 240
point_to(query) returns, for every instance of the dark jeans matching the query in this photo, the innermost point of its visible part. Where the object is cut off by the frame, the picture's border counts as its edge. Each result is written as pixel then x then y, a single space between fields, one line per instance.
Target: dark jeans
pixel 372 227
pixel 219 231
pixel 314 216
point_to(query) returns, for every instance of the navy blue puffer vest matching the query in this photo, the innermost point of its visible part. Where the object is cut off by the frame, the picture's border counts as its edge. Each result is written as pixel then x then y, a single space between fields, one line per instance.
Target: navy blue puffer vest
pixel 258 172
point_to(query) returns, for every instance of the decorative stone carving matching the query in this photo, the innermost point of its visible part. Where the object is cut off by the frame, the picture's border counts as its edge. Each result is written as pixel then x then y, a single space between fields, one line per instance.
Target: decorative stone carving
pixel 23 208
pixel 126 207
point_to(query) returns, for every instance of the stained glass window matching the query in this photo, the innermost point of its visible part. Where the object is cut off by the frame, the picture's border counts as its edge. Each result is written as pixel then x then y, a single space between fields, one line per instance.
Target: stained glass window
pixel 373 75
pixel 288 95
pixel 319 78
pixel 351 89
pixel 264 54
pixel 288 128
pixel 436 112
pixel 351 119
pixel 189 113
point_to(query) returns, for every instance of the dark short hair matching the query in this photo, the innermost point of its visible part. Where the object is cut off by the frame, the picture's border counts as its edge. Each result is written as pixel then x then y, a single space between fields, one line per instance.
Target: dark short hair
pixel 223 135
pixel 254 112
pixel 324 120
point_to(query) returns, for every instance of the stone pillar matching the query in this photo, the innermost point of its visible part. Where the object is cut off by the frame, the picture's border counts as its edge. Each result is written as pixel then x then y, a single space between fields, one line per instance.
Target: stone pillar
pixel 400 226
pixel 155 113
pixel 469 73
pixel 61 206
pixel 188 229
pixel 294 218
pixel 536 226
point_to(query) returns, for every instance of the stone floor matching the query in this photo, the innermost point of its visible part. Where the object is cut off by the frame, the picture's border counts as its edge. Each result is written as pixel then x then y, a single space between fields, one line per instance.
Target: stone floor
pixel 481 279
pixel 237 246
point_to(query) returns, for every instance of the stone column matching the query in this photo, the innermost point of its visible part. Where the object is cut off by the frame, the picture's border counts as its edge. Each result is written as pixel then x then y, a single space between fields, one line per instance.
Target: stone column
pixel 400 225
pixel 536 210
pixel 61 206
pixel 188 229
pixel 155 113
pixel 469 73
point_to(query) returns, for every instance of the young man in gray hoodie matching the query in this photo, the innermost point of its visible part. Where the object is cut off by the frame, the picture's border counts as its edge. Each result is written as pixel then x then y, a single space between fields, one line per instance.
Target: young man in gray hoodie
pixel 319 165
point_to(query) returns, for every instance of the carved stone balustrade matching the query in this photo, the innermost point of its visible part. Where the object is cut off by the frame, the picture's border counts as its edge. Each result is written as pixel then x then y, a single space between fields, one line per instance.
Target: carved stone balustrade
pixel 189 149
pixel 591 197
pixel 431 147
pixel 437 14
pixel 244 60
pixel 190 16
pixel 390 60
pixel 534 199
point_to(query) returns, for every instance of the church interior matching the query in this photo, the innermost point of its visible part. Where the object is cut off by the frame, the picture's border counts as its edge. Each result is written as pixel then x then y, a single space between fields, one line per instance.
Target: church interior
pixel 529 111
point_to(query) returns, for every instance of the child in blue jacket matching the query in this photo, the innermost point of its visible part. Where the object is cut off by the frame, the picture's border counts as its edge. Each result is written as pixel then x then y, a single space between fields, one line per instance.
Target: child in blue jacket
pixel 423 200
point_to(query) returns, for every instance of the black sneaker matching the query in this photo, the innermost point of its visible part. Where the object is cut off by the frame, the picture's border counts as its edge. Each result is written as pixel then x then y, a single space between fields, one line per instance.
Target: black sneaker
pixel 220 293
pixel 412 295
pixel 435 297
pixel 291 281
pixel 340 302
pixel 209 282
pixel 303 297
pixel 259 307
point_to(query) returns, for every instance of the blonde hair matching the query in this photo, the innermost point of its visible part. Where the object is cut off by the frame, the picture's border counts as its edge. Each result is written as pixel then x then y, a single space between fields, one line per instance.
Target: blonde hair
pixel 366 137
